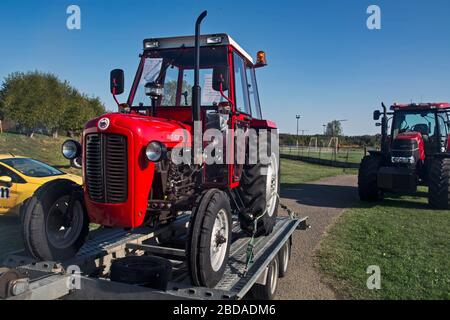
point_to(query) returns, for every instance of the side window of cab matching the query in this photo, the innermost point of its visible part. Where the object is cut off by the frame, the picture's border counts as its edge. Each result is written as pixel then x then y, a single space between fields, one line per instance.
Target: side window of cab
pixel 240 80
pixel 253 93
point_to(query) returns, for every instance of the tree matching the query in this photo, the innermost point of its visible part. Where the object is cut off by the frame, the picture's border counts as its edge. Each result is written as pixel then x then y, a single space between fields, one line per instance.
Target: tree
pixel 334 129
pixel 170 93
pixel 40 100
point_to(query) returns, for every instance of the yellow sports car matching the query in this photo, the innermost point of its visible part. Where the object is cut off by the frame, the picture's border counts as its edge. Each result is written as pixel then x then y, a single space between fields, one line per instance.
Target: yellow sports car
pixel 20 177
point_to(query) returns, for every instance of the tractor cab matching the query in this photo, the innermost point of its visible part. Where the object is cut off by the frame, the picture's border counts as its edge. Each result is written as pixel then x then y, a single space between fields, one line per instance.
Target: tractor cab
pixel 415 153
pixel 422 129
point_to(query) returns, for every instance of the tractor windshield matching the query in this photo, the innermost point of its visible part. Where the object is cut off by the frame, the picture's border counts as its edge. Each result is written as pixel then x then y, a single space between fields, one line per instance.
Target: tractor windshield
pixel 174 69
pixel 423 122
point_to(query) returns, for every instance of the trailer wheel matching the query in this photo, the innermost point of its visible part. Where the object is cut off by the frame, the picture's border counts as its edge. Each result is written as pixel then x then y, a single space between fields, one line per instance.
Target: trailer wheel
pixel 268 291
pixel 284 256
pixel 151 272
pixel 259 189
pixel 209 238
pixel 55 223
pixel 439 181
pixel 367 179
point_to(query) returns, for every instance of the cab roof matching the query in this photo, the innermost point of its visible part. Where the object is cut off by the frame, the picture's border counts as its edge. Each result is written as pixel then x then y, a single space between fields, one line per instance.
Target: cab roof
pixel 220 39
pixel 421 106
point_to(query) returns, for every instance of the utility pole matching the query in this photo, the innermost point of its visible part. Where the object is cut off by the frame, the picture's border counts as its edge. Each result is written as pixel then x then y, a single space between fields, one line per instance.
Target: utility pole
pixel 298 119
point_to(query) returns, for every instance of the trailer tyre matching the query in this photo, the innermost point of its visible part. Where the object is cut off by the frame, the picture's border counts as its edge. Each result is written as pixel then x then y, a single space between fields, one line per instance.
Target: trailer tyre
pixel 151 272
pixel 209 241
pixel 268 291
pixel 55 224
pixel 439 192
pixel 367 179
pixel 284 256
pixel 259 189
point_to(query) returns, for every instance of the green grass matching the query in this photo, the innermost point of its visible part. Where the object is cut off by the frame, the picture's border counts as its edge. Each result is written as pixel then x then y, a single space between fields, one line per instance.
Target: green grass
pixel 403 236
pixel 344 155
pixel 295 172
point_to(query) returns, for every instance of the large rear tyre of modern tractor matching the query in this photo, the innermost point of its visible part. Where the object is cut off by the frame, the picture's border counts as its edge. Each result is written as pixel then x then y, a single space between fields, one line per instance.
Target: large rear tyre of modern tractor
pixel 209 241
pixel 55 224
pixel 367 179
pixel 259 190
pixel 439 181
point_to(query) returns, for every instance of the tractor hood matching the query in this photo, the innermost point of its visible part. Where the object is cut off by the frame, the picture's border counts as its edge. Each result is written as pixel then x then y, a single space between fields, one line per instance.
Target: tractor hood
pixel 409 144
pixel 169 132
pixel 118 176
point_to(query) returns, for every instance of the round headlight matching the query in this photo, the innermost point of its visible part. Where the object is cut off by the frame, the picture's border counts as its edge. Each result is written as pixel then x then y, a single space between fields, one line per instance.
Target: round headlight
pixel 155 151
pixel 71 149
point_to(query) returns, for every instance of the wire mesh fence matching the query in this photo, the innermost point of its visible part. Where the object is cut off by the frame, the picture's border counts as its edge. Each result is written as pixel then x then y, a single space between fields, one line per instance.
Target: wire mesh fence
pixel 347 157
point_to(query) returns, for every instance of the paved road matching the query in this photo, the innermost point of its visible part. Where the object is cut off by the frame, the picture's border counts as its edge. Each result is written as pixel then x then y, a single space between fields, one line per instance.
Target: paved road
pixel 323 202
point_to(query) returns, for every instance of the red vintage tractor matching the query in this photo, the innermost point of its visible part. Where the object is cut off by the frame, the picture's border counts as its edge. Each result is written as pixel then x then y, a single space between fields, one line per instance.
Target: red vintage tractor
pixel 131 178
pixel 416 153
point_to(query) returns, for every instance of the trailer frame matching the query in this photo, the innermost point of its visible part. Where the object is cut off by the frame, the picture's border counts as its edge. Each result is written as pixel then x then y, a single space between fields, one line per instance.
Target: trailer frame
pixel 85 276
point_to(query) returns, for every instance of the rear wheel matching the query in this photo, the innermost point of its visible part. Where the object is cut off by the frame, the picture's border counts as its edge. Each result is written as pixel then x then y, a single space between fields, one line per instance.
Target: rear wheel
pixel 439 181
pixel 284 256
pixel 367 179
pixel 209 238
pixel 54 223
pixel 268 291
pixel 259 189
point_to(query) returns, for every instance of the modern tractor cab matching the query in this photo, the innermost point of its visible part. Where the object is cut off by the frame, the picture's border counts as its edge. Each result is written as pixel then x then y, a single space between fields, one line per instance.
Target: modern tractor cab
pixel 413 154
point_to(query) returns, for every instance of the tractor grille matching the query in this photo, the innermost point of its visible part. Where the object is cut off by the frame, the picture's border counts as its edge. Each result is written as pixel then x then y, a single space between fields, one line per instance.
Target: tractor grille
pixel 106 168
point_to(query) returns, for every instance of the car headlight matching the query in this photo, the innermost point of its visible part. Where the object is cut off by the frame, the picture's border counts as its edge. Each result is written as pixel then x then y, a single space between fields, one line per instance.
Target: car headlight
pixel 71 149
pixel 155 151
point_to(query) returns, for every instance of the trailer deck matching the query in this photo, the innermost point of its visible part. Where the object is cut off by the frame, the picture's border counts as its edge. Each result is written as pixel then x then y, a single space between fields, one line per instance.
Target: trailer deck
pixel 90 268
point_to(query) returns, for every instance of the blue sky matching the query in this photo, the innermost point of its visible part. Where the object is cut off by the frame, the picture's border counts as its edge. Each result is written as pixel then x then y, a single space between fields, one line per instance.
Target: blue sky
pixel 324 62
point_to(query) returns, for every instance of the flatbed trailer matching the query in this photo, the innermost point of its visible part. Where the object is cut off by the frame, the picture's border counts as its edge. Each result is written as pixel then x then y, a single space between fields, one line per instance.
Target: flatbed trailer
pixel 85 277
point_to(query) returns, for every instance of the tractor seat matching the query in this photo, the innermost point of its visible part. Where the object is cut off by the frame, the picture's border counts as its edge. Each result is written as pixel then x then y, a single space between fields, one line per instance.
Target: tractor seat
pixel 422 128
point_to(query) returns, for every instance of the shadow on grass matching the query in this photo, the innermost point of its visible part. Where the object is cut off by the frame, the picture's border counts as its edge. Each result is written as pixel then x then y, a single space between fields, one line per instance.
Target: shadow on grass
pixel 345 197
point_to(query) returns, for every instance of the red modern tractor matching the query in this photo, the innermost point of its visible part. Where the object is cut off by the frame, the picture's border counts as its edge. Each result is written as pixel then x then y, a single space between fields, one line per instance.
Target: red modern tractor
pixel 127 158
pixel 416 153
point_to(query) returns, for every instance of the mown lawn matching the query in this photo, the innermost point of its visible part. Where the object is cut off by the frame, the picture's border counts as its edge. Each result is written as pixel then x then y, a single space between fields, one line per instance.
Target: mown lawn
pixel 403 236
pixel 295 172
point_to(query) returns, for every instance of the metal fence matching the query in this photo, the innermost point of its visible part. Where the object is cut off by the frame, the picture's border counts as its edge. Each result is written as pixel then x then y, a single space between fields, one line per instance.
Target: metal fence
pixel 345 157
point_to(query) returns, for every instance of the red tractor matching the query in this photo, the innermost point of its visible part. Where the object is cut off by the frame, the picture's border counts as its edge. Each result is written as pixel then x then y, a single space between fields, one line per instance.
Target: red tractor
pixel 416 153
pixel 131 178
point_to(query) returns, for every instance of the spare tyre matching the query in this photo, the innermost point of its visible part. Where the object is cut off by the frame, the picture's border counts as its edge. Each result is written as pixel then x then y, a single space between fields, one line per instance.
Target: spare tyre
pixel 151 272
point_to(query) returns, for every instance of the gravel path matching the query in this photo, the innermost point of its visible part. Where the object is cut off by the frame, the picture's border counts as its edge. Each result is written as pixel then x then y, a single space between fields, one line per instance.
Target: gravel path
pixel 323 201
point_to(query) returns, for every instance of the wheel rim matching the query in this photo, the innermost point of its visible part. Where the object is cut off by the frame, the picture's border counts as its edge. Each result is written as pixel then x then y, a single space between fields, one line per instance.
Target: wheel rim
pixel 63 228
pixel 274 277
pixel 272 185
pixel 286 257
pixel 219 240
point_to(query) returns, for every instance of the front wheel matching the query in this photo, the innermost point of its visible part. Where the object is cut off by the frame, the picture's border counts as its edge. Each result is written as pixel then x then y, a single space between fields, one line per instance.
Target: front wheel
pixel 368 179
pixel 55 223
pixel 209 238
